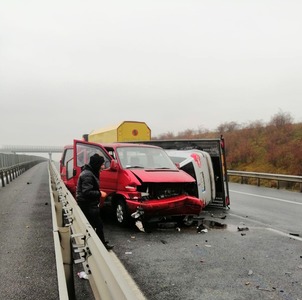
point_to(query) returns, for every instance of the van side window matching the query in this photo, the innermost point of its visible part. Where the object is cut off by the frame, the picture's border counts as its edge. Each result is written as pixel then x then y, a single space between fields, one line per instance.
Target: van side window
pixel 85 151
pixel 68 156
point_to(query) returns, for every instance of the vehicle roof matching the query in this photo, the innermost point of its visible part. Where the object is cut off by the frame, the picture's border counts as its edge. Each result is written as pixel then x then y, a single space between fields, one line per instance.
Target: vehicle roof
pixel 117 145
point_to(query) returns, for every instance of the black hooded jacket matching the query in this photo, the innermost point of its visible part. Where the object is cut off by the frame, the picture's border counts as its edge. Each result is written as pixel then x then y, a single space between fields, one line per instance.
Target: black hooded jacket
pixel 88 187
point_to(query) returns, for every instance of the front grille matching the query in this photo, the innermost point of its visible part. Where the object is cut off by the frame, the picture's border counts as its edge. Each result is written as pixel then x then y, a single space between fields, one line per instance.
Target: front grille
pixel 162 190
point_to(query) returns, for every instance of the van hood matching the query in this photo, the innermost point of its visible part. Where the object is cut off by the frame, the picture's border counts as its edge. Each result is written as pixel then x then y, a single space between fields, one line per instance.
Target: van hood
pixel 162 176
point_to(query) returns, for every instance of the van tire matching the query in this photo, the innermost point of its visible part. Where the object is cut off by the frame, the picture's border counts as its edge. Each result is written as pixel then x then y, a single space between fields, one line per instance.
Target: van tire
pixel 121 213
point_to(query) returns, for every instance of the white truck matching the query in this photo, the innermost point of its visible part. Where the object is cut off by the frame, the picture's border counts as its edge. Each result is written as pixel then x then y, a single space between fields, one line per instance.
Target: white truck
pixel 204 160
pixel 198 164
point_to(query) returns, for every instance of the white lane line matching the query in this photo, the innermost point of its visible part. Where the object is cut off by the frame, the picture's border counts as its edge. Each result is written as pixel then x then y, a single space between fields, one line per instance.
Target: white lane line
pixel 269 228
pixel 285 234
pixel 272 198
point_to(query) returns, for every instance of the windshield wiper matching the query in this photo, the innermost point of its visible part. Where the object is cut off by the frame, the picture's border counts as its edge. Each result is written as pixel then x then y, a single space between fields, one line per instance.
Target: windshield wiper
pixel 134 167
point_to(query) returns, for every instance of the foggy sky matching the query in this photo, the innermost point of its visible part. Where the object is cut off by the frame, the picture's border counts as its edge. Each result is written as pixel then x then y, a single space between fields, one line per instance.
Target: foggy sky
pixel 69 67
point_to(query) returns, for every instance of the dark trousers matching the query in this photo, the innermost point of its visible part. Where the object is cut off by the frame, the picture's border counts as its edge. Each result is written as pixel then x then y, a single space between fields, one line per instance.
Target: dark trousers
pixel 92 214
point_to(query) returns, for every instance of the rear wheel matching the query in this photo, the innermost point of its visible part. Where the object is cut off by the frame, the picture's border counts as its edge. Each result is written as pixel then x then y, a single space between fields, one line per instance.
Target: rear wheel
pixel 121 212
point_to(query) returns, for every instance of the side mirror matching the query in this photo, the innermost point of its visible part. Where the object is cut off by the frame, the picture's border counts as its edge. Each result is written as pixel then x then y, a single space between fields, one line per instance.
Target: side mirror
pixel 177 165
pixel 107 164
pixel 114 165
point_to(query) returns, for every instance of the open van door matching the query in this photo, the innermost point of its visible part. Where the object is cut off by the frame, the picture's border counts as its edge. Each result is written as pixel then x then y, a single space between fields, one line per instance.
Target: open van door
pixel 73 164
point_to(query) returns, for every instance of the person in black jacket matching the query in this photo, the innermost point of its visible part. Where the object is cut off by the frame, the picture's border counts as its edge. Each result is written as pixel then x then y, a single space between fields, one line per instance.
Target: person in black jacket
pixel 88 195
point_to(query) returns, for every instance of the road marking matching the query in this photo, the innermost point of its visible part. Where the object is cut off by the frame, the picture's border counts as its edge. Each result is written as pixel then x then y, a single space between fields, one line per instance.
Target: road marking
pixel 269 228
pixel 285 234
pixel 272 198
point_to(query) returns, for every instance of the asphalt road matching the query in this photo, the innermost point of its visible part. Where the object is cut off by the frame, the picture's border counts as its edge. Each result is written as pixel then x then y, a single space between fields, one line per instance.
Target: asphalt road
pixel 260 262
pixel 27 259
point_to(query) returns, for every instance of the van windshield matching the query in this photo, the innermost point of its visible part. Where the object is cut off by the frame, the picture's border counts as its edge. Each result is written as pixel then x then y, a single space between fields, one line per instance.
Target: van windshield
pixel 144 158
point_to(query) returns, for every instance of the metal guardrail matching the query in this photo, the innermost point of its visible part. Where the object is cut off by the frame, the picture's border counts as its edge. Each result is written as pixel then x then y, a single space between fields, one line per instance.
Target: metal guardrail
pixel 12 165
pixel 70 227
pixel 267 176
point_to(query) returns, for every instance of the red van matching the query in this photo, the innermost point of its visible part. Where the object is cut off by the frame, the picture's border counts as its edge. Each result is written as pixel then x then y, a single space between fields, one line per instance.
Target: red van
pixel 138 179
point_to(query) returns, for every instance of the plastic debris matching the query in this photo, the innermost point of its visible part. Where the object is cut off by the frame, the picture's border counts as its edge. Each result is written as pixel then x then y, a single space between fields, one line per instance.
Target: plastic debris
pixel 139 212
pixel 82 275
pixel 250 272
pixel 140 226
pixel 200 228
pixel 128 252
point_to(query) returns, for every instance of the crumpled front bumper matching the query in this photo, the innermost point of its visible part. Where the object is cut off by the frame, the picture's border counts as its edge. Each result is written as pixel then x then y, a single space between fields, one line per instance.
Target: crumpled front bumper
pixel 174 206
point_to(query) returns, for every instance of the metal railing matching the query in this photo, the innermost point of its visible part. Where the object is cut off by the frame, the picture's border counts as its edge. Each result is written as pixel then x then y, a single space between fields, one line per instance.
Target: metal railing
pixel 12 165
pixel 70 227
pixel 278 178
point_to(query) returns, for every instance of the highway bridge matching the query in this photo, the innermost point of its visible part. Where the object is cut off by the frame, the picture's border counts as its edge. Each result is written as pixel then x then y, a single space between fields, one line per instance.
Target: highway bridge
pixel 17 149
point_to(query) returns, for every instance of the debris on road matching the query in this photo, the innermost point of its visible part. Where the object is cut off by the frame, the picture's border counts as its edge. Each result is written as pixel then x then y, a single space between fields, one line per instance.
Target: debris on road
pixel 239 228
pixel 140 226
pixel 82 275
pixel 294 234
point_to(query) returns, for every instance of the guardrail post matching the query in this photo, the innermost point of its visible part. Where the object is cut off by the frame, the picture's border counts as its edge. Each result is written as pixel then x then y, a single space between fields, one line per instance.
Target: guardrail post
pixel 2 179
pixel 65 238
pixel 258 181
pixel 7 177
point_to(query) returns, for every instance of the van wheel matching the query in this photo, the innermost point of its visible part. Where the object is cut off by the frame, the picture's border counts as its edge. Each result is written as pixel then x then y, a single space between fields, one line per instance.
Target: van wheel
pixel 121 213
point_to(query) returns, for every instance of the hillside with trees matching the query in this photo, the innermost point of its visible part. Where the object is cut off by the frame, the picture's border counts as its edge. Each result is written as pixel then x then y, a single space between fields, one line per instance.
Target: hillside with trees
pixel 275 147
